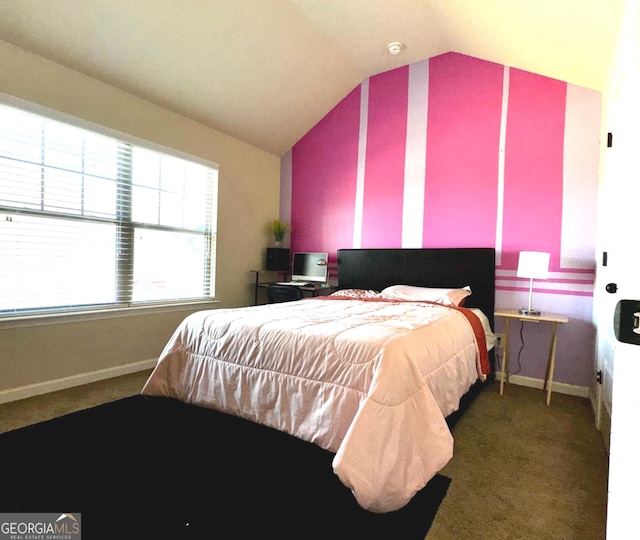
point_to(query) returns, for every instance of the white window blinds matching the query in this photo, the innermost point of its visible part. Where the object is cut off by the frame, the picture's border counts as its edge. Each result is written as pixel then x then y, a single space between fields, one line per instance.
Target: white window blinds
pixel 88 220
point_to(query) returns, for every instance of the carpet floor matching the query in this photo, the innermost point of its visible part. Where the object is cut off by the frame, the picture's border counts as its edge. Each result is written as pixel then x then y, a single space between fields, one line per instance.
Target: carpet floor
pixel 144 467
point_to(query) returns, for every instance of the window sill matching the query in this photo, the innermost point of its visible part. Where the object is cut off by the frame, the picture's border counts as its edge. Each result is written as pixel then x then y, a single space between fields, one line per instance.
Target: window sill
pixel 49 319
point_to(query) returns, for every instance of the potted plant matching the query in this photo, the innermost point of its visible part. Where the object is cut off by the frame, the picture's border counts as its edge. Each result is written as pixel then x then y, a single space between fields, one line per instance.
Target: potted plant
pixel 278 228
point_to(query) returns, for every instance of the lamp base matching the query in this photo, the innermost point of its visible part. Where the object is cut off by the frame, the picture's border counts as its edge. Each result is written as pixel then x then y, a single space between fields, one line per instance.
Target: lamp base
pixel 529 311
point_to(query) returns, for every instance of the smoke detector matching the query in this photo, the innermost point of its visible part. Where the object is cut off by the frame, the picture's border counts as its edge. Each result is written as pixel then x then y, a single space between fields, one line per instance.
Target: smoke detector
pixel 395 47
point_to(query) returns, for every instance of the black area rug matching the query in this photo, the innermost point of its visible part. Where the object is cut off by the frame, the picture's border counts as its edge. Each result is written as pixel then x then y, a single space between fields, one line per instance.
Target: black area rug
pixel 156 468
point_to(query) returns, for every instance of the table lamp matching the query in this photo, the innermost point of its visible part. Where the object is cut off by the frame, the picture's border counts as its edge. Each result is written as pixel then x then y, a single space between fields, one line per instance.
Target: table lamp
pixel 532 264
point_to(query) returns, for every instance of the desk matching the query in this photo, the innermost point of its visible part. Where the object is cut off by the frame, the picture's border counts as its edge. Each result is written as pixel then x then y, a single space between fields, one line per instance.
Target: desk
pixel 554 319
pixel 258 284
pixel 315 291
pixel 318 290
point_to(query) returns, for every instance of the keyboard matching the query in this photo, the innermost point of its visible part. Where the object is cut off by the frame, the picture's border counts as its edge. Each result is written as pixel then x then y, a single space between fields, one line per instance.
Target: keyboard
pixel 296 283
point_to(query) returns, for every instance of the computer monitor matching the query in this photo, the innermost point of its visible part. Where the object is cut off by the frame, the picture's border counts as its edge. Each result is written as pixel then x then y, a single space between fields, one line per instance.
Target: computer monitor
pixel 309 267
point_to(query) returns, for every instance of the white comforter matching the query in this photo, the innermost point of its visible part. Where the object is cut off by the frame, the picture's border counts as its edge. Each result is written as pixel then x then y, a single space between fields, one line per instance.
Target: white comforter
pixel 370 381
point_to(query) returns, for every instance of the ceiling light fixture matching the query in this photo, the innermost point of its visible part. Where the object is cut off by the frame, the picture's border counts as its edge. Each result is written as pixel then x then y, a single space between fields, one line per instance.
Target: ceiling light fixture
pixel 395 47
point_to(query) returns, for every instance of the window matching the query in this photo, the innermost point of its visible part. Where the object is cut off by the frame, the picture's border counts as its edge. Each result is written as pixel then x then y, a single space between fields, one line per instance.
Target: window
pixel 89 220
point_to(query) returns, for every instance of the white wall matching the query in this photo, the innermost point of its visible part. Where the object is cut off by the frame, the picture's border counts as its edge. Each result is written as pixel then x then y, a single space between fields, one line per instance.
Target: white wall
pixel 249 183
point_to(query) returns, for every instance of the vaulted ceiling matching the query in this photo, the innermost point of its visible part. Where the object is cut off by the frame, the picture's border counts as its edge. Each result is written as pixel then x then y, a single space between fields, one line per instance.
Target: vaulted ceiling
pixel 265 71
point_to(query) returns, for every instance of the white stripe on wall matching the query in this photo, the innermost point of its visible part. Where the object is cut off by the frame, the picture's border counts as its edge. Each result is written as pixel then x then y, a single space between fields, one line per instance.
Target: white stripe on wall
pixel 501 154
pixel 566 282
pixel 362 157
pixel 415 155
pixel 580 180
pixel 541 285
pixel 285 189
pixel 587 277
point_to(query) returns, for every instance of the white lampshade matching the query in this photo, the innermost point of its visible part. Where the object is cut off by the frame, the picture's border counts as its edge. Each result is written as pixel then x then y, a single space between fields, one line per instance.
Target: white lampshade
pixel 533 264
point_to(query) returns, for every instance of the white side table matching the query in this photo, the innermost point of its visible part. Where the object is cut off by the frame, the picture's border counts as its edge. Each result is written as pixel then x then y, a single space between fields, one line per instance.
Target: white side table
pixel 552 318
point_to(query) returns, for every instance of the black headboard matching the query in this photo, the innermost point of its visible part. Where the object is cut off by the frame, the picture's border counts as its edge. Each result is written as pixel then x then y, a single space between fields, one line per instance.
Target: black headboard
pixel 447 267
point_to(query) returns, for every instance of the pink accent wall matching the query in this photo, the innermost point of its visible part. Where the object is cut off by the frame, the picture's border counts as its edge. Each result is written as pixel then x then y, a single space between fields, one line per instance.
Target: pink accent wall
pixel 384 166
pixel 465 202
pixel 533 167
pixel 463 136
pixel 324 166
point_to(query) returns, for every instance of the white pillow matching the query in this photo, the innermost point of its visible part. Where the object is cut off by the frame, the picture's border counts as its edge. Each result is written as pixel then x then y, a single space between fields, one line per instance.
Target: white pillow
pixel 448 297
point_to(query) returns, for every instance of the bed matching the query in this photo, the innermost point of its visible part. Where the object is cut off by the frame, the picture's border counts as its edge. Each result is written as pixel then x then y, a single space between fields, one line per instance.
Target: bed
pixel 370 377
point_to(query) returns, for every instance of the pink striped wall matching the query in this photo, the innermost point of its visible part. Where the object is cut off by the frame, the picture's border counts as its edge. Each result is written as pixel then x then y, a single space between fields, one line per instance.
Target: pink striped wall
pixel 492 153
pixel 463 133
pixel 384 171
pixel 533 167
pixel 323 172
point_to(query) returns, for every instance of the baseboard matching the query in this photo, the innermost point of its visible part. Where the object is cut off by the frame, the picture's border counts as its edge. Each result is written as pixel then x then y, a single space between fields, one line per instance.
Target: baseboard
pixel 31 390
pixel 605 428
pixel 561 388
pixel 601 414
